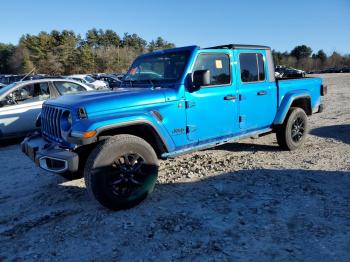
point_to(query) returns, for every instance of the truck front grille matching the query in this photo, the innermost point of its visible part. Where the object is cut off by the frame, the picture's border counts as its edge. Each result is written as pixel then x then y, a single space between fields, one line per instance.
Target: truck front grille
pixel 50 122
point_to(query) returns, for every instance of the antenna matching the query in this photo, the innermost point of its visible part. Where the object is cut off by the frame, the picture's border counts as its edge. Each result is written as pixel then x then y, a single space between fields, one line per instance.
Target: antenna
pixel 28 74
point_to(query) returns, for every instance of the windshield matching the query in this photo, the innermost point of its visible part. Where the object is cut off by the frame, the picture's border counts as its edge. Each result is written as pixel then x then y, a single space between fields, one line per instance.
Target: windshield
pixel 166 67
pixel 89 79
pixel 68 87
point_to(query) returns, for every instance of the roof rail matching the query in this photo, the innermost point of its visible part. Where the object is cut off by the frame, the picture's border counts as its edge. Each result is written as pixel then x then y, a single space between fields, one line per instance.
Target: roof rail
pixel 239 46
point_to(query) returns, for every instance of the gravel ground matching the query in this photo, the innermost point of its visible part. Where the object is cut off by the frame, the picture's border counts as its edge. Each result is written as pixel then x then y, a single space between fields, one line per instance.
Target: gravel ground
pixel 243 201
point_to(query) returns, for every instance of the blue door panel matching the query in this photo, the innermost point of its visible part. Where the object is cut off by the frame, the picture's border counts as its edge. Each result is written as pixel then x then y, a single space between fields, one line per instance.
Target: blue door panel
pixel 258 100
pixel 258 105
pixel 208 114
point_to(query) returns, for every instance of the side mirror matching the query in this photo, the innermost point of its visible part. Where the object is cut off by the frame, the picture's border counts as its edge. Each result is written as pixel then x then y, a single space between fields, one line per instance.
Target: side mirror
pixel 200 78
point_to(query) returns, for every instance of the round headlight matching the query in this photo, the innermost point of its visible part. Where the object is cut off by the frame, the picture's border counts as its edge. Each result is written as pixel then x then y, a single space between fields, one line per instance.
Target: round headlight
pixel 66 121
pixel 69 119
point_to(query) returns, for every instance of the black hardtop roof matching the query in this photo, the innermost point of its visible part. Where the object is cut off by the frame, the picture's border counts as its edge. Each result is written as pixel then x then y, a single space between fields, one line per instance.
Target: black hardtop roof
pixel 239 46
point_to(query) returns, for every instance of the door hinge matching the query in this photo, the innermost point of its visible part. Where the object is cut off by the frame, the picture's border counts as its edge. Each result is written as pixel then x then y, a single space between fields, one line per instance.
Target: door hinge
pixel 241 119
pixel 190 129
pixel 240 97
pixel 190 104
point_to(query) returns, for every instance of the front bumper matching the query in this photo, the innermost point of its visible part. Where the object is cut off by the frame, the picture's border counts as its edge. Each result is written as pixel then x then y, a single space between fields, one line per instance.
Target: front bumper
pixel 49 156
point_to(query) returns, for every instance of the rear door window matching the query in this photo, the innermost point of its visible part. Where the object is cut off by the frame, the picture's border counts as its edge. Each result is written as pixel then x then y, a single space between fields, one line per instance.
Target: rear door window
pixel 261 67
pixel 42 90
pixel 68 87
pixel 252 67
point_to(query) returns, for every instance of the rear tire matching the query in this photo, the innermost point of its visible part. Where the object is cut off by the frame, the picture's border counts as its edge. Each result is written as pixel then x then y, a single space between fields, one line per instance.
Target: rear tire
pixel 121 171
pixel 291 135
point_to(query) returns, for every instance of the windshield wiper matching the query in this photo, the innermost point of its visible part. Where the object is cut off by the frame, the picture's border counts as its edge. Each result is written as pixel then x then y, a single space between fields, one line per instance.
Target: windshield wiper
pixel 130 81
pixel 152 83
pixel 149 80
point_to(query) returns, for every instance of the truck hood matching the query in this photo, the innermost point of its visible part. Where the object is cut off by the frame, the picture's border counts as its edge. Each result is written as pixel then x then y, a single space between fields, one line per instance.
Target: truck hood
pixel 102 101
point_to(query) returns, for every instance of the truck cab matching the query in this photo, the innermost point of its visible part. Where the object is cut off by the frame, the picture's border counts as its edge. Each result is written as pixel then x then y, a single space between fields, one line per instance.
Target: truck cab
pixel 170 102
pixel 239 96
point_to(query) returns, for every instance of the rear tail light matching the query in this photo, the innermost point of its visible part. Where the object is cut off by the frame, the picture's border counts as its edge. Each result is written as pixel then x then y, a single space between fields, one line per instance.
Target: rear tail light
pixel 323 90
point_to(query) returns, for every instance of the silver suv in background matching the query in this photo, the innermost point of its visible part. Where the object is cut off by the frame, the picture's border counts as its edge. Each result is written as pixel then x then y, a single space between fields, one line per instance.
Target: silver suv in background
pixel 20 103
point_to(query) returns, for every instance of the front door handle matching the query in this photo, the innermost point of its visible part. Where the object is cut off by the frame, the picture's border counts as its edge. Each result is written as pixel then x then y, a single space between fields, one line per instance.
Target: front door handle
pixel 230 97
pixel 262 93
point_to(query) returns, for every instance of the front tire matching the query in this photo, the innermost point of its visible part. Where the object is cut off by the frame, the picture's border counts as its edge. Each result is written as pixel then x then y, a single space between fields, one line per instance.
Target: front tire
pixel 121 171
pixel 291 135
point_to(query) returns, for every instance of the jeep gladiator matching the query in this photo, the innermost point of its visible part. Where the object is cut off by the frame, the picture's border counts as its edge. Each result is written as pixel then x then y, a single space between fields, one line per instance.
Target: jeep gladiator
pixel 170 102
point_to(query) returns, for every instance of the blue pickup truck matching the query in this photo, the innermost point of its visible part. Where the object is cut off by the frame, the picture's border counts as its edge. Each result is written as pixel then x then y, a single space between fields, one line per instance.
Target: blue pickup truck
pixel 171 102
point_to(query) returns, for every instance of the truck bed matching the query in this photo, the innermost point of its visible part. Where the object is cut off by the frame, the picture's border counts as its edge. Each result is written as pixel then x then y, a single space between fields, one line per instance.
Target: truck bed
pixel 307 85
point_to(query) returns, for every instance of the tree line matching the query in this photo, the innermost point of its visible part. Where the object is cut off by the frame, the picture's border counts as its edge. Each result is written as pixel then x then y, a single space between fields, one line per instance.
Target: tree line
pixel 65 52
pixel 302 57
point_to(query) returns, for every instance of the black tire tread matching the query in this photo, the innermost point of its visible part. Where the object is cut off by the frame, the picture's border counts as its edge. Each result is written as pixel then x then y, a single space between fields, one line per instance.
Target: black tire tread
pixel 122 138
pixel 281 133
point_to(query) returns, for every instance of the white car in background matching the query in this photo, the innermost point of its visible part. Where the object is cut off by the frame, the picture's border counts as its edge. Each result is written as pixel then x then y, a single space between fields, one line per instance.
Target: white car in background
pixel 21 102
pixel 88 80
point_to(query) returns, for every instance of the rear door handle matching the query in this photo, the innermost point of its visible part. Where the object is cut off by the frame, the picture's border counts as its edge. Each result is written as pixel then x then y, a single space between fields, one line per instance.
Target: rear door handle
pixel 262 93
pixel 230 97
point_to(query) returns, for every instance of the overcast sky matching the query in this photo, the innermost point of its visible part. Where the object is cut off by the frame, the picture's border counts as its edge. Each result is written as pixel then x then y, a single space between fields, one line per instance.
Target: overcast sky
pixel 282 25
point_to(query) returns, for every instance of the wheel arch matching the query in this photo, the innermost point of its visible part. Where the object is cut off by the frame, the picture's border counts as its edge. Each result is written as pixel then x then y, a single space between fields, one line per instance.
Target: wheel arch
pixel 142 129
pixel 302 101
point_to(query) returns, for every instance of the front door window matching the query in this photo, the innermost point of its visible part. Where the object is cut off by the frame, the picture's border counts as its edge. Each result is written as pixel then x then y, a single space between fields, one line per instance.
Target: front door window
pixel 27 94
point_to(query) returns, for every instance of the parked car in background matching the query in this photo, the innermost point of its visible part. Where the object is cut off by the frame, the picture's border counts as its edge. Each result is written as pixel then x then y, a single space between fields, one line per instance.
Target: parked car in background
pixel 119 76
pixel 288 72
pixel 88 80
pixel 40 76
pixel 9 79
pixel 279 71
pixel 112 80
pixel 345 70
pixel 312 72
pixel 332 70
pixel 293 73
pixel 20 103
